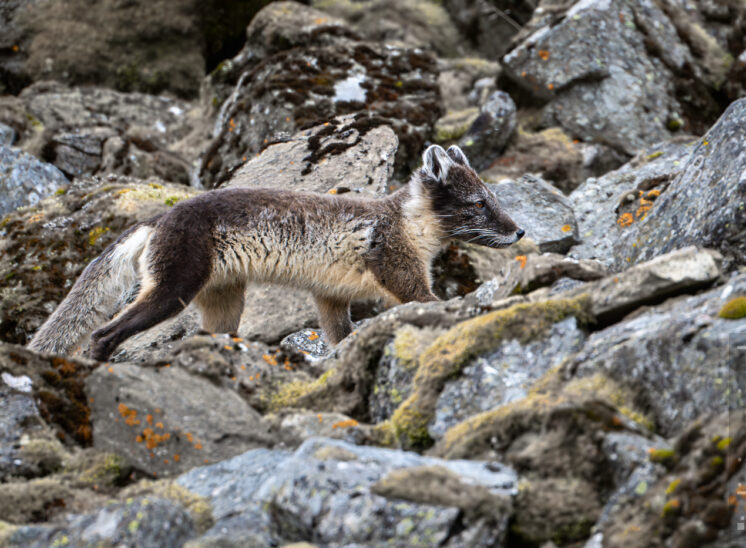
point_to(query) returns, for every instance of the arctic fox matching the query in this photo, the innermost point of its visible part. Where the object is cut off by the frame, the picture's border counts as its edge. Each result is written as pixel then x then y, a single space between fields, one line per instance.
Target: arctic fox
pixel 208 248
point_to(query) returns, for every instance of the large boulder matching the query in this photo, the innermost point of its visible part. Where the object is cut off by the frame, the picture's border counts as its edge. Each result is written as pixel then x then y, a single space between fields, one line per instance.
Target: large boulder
pixel 628 86
pixel 269 96
pixel 704 205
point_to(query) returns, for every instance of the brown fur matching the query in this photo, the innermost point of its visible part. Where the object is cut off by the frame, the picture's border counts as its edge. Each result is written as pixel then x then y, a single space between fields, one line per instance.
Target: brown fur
pixel 339 248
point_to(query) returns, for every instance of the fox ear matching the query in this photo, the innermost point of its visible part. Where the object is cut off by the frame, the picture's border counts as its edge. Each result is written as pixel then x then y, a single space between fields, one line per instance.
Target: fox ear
pixel 436 163
pixel 458 156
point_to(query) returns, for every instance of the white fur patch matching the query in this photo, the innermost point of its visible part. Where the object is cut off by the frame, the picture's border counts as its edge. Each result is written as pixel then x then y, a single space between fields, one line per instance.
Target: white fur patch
pixel 436 163
pixel 132 246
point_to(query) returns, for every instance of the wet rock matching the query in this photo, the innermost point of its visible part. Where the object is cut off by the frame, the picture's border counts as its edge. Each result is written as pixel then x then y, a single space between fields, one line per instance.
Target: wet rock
pixel 490 131
pixel 409 23
pixel 609 98
pixel 597 201
pixel 503 375
pixel 90 130
pixel 673 385
pixel 295 89
pixel 541 210
pixel 137 522
pixel 24 180
pixel 154 418
pixel 704 205
pixel 44 248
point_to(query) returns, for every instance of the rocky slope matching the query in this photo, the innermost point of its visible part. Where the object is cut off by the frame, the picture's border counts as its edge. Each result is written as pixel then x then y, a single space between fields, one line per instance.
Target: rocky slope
pixel 584 388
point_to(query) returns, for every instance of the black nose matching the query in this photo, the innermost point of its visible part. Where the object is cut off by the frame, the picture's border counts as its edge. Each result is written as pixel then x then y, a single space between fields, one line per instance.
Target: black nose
pixel 520 232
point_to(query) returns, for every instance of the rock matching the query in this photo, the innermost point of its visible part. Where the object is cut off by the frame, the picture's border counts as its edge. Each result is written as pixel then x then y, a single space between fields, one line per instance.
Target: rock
pixel 379 486
pixel 597 202
pixel 683 271
pixel 704 205
pixel 609 98
pixel 332 75
pixel 489 26
pixel 14 41
pixel 466 82
pixel 137 46
pixel 503 375
pixel 691 515
pixel 673 385
pixel 410 23
pixel 295 428
pixel 138 522
pixel 490 131
pixel 24 180
pixel 91 130
pixel 558 159
pixel 337 157
pixel 308 342
pixel 154 418
pixel 45 247
pixel 541 210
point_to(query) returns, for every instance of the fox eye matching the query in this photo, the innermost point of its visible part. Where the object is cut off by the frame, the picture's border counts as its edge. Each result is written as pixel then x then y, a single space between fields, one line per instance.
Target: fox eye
pixel 479 204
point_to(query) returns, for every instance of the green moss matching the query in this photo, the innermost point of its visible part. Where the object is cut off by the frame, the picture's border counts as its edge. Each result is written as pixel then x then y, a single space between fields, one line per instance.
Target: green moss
pixel 106 469
pixel 96 233
pixel 171 200
pixel 654 155
pixel 672 486
pixel 716 462
pixel 445 357
pixel 197 506
pixel 734 309
pixel 60 191
pixel 666 457
pixel 289 394
pixel 723 443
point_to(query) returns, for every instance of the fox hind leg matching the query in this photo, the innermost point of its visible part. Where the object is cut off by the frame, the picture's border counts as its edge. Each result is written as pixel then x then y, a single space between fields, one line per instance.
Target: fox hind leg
pixel 334 316
pixel 221 307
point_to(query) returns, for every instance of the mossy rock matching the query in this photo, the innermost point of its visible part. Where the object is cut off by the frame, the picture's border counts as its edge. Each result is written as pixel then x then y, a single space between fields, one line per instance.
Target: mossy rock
pixel 198 507
pixel 734 309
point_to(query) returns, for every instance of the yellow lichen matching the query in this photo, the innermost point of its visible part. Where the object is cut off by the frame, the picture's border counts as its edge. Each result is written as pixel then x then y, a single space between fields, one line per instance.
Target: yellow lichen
pixel 96 233
pixel 734 309
pixel 289 394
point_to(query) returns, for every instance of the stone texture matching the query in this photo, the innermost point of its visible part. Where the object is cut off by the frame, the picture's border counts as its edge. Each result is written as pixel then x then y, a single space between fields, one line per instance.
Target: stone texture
pixel 541 210
pixel 24 180
pixel 490 131
pixel 155 418
pixel 704 205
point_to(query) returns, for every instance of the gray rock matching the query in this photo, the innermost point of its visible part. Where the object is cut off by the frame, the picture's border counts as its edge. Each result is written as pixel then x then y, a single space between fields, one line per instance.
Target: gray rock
pixel 541 210
pixel 24 180
pixel 321 493
pixel 412 23
pixel 606 86
pixel 364 164
pixel 155 418
pixel 91 130
pixel 310 342
pixel 597 202
pixel 681 271
pixel 504 375
pixel 704 205
pixel 7 135
pixel 490 131
pixel 296 89
pixel 673 384
pixel 327 491
pixel 137 522
pixel 466 82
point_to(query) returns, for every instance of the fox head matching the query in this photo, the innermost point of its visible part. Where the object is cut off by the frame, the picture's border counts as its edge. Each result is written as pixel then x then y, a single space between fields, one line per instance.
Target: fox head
pixel 465 207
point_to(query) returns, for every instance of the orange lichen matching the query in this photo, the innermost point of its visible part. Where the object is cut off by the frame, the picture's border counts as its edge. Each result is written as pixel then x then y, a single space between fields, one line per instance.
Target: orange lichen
pixel 15 48
pixel 130 415
pixel 271 360
pixel 544 54
pixel 159 425
pixel 198 445
pixel 243 368
pixel 177 457
pixel 189 437
pixel 550 87
pixel 227 347
pixel 313 336
pixel 345 424
pixel 321 419
pixel 625 220
pixel 333 191
pixel 152 440
pixel 566 228
pixel 149 419
pixel 521 259
pixel 654 193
